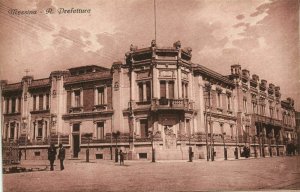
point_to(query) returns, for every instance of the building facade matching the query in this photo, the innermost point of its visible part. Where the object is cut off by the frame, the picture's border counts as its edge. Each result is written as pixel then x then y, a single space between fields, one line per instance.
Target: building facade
pixel 157 101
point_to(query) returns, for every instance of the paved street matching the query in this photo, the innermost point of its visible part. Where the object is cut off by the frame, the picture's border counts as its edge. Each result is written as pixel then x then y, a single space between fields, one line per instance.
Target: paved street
pixel 251 174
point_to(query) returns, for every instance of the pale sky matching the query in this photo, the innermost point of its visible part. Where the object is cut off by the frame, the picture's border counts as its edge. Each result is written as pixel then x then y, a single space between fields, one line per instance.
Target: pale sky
pixel 262 36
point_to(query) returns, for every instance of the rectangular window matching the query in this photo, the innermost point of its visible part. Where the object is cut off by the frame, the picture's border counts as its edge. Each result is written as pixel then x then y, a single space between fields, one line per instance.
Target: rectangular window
pixel 148 90
pixel 76 127
pixel 41 98
pixel 219 99
pixel 34 102
pixel 7 105
pixel 12 130
pixel 40 129
pixel 245 105
pixel 141 93
pixel 13 105
pixel 184 90
pixel 144 128
pixel 77 98
pixel 101 96
pixel 271 112
pixel 163 89
pixel 47 101
pixel 171 89
pixel 228 102
pixel 253 107
pixel 100 130
pixel 19 104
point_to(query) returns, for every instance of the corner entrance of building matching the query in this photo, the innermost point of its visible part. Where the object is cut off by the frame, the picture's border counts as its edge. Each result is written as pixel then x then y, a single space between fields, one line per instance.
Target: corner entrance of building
pixel 75 145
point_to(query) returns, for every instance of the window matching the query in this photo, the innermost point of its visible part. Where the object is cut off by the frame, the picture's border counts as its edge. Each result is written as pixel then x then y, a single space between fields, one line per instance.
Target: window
pixel 277 114
pixel 34 102
pixel 218 99
pixel 144 128
pixel 76 127
pixel 184 90
pixel 141 92
pixel 163 89
pixel 7 105
pixel 253 107
pixel 271 112
pixel 144 91
pixel 245 105
pixel 100 130
pixel 99 156
pixel 148 90
pixel 47 101
pixel 12 130
pixel 41 102
pixel 77 98
pixel 13 105
pixel 228 102
pixel 167 89
pixel 40 129
pixel 37 153
pixel 143 155
pixel 101 100
pixel 171 89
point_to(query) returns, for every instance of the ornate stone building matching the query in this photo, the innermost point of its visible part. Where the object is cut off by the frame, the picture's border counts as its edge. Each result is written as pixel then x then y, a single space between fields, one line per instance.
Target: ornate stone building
pixel 157 100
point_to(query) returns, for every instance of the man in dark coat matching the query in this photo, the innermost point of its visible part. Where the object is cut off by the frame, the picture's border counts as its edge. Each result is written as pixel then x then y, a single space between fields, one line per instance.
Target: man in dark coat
pixel 61 156
pixel 121 158
pixel 51 155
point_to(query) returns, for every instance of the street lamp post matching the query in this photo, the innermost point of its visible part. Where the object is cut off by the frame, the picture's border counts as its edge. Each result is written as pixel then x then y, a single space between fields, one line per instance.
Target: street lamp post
pixel 208 88
pixel 225 149
pixel 152 146
pixel 116 135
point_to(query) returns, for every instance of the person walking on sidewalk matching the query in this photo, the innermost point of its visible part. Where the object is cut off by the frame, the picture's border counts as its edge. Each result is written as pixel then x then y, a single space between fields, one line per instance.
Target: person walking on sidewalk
pixel 121 158
pixel 51 155
pixel 61 156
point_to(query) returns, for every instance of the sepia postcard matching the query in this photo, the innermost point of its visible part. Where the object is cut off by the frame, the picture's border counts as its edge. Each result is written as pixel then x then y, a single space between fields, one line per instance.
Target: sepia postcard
pixel 149 95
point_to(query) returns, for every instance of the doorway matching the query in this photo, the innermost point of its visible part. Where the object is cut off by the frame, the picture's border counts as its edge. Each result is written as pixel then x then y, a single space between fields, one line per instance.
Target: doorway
pixel 76 147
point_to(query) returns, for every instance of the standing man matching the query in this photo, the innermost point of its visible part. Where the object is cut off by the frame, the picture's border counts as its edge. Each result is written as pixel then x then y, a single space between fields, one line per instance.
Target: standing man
pixel 61 156
pixel 20 155
pixel 121 158
pixel 51 155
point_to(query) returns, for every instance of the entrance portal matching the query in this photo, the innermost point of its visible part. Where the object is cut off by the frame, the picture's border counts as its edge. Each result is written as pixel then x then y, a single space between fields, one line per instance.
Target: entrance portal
pixel 76 148
pixel 170 137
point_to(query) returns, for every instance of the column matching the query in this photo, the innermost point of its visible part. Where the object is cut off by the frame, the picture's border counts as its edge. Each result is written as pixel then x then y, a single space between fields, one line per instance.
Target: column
pixel 9 105
pixel 8 131
pixel 167 89
pixel 133 84
pixel 184 93
pixel 81 97
pixel 37 102
pixel 105 95
pixel 33 130
pixel 44 101
pixel 72 98
pixel 4 105
pixel 190 87
pixel 96 96
pixel 17 105
pixel 179 82
pixel 144 92
pixel 154 83
pixel 176 87
pixel 43 130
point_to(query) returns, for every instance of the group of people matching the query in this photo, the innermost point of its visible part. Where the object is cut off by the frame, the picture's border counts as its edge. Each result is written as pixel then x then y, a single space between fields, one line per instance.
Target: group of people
pixel 52 156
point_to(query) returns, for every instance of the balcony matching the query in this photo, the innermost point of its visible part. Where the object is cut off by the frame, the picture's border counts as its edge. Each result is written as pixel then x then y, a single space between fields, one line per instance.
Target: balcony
pixel 172 104
pixel 76 110
pixel 101 107
pixel 266 120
